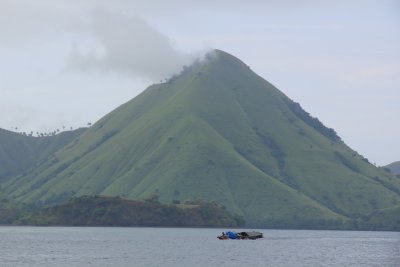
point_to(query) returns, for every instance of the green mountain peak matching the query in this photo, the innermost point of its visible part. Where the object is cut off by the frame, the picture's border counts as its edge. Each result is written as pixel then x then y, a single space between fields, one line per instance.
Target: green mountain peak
pixel 216 132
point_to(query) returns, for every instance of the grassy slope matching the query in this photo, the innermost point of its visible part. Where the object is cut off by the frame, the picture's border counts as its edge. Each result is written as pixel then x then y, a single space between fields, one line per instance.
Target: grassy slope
pixel 394 167
pixel 9 210
pixel 219 133
pixel 385 219
pixel 18 152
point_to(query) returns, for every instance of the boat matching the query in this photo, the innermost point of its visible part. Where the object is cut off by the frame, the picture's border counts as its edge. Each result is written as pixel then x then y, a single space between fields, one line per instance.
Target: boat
pixel 240 235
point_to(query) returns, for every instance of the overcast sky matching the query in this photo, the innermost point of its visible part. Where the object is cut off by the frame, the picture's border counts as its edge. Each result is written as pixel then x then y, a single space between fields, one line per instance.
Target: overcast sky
pixel 67 63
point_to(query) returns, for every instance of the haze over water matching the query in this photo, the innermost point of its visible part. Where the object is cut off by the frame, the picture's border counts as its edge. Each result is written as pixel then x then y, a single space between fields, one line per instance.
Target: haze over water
pixel 80 246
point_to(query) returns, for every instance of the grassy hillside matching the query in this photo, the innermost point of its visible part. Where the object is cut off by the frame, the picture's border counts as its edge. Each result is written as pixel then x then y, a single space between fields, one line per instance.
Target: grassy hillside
pixel 9 211
pixel 217 132
pixel 394 167
pixel 383 220
pixel 18 152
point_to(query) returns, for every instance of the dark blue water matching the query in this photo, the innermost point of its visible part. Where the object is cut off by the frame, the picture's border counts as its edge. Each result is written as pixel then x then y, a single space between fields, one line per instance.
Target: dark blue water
pixel 79 246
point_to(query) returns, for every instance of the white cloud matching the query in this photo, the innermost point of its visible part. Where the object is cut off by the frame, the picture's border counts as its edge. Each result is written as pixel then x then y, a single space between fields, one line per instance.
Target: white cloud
pixel 129 45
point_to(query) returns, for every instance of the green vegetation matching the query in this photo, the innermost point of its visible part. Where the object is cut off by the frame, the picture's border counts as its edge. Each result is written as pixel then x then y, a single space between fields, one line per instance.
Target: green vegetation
pixel 9 211
pixel 115 211
pixel 383 220
pixel 394 168
pixel 217 132
pixel 19 153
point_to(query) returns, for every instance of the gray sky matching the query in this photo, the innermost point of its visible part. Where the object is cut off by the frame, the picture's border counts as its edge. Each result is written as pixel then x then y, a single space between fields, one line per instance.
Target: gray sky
pixel 71 62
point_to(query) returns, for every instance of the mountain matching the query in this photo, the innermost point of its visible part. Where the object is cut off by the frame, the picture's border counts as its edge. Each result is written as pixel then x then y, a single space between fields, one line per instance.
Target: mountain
pixel 394 167
pixel 19 152
pixel 217 132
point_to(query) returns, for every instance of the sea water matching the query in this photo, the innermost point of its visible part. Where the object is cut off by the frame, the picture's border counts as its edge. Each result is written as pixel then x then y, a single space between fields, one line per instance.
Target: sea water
pixel 113 246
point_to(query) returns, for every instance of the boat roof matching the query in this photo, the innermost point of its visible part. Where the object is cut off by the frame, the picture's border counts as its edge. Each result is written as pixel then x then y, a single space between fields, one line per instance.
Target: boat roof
pixel 251 233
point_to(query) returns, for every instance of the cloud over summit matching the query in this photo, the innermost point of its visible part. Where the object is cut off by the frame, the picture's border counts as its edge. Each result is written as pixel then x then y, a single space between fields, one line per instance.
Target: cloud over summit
pixel 128 45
